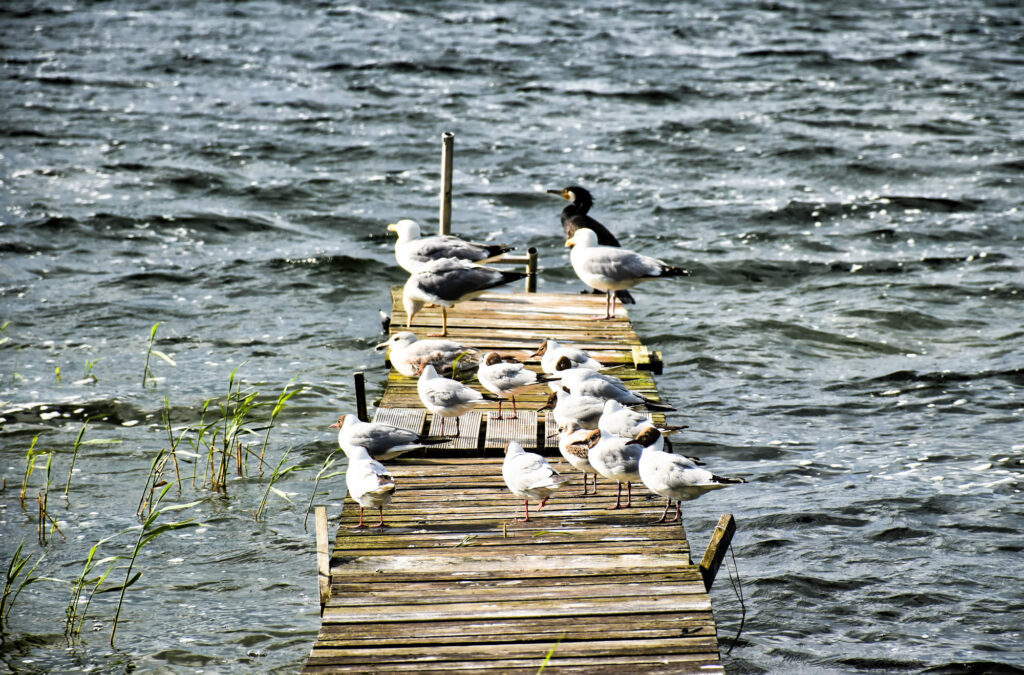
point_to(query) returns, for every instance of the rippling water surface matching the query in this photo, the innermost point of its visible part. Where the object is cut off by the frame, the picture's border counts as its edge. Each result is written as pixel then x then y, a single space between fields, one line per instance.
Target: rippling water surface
pixel 843 179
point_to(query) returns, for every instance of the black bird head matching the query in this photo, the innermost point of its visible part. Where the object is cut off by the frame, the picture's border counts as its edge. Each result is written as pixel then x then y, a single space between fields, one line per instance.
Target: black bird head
pixel 577 195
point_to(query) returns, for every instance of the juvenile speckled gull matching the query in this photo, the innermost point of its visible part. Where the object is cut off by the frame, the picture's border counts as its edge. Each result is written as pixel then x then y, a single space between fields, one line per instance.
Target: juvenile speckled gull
pixel 369 483
pixel 382 441
pixel 550 352
pixel 503 378
pixel 617 459
pixel 673 476
pixel 408 354
pixel 448 281
pixel 609 268
pixel 574 445
pixel 447 398
pixel 413 251
pixel 528 475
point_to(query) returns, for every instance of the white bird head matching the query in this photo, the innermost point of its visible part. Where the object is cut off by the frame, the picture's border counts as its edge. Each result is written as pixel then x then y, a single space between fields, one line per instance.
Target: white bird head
pixel 357 452
pixel 406 229
pixel 429 372
pixel 583 238
pixel 403 339
pixel 513 448
pixel 612 406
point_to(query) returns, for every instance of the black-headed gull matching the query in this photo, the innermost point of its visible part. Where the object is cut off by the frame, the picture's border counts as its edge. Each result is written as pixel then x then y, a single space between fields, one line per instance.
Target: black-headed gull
pixel 449 281
pixel 504 378
pixel 673 476
pixel 584 411
pixel 550 352
pixel 446 397
pixel 382 441
pixel 408 354
pixel 369 483
pixel 617 459
pixel 528 475
pixel 608 268
pixel 413 251
pixel 574 444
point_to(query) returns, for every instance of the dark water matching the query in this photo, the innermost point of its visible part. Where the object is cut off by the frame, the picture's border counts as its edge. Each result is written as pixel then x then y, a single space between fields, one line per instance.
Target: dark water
pixel 843 179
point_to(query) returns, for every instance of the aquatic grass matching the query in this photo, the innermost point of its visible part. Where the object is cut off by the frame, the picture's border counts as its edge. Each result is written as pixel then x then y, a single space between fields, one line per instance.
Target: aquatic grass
pixel 149 530
pixel 277 475
pixel 147 374
pixel 43 499
pixel 279 406
pixel 320 475
pixel 30 467
pixel 18 579
pixel 73 616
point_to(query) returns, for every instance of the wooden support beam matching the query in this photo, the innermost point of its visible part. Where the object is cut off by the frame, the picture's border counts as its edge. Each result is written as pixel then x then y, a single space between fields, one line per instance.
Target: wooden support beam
pixel 445 215
pixel 715 553
pixel 360 384
pixel 531 269
pixel 323 555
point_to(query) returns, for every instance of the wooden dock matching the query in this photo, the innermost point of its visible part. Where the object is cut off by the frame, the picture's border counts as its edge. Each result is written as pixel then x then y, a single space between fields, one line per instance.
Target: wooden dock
pixel 455 583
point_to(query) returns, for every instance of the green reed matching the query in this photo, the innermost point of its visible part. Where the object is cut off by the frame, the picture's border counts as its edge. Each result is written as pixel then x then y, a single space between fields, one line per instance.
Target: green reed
pixel 18 579
pixel 321 475
pixel 147 374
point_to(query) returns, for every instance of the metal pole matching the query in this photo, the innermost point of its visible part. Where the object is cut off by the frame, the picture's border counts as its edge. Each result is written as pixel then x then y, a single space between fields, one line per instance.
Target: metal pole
pixel 531 270
pixel 447 147
pixel 360 380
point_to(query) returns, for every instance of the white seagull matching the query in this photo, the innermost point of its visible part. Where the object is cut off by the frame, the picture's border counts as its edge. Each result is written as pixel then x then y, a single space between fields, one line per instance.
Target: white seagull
pixel 413 251
pixel 586 382
pixel 448 281
pixel 503 378
pixel 447 398
pixel 609 268
pixel 408 354
pixel 617 459
pixel 673 476
pixel 584 411
pixel 382 441
pixel 550 352
pixel 618 420
pixel 528 475
pixel 574 444
pixel 368 482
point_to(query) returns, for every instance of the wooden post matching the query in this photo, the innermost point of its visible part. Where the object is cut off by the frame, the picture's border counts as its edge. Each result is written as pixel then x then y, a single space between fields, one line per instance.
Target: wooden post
pixel 360 380
pixel 719 544
pixel 531 269
pixel 447 147
pixel 323 555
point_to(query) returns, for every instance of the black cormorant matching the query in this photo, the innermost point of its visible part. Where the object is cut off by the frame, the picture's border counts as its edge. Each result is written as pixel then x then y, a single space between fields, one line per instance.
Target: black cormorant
pixel 574 217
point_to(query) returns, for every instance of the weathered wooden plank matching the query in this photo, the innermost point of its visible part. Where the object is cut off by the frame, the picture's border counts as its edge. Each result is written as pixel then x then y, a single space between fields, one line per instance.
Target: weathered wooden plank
pixel 522 429
pixel 404 418
pixel 675 664
pixel 715 553
pixel 468 426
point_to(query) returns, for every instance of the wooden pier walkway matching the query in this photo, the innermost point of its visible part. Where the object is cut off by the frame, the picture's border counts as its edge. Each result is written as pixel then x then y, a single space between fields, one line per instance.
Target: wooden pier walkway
pixel 455 583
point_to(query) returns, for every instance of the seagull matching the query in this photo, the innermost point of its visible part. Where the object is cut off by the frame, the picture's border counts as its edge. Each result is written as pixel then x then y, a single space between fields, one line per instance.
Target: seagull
pixel 618 420
pixel 409 354
pixel 447 398
pixel 586 382
pixel 413 251
pixel 673 476
pixel 501 378
pixel 550 353
pixel 449 281
pixel 385 321
pixel 382 441
pixel 575 216
pixel 584 411
pixel 528 475
pixel 574 444
pixel 368 482
pixel 617 459
pixel 608 268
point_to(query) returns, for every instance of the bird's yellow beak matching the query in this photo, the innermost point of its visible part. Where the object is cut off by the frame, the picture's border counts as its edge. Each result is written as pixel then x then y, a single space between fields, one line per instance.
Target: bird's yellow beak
pixel 393 227
pixel 570 242
pixel 561 193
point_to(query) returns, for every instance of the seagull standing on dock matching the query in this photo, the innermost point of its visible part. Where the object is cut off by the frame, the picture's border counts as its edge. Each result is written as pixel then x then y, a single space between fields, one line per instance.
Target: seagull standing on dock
pixel 617 459
pixel 574 444
pixel 447 398
pixel 618 420
pixel 413 251
pixel 576 216
pixel 528 475
pixel 448 281
pixel 369 483
pixel 673 476
pixel 609 269
pixel 503 378
pixel 382 441
pixel 586 382
pixel 584 411
pixel 550 352
pixel 409 354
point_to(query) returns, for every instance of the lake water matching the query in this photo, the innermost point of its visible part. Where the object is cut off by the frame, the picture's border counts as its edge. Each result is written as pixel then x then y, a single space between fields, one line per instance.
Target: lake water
pixel 843 180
